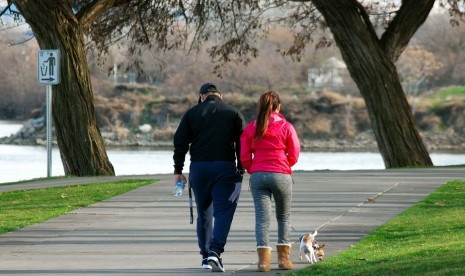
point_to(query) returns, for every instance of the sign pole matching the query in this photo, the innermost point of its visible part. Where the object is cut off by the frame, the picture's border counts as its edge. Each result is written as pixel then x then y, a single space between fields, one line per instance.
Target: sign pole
pixel 48 73
pixel 49 129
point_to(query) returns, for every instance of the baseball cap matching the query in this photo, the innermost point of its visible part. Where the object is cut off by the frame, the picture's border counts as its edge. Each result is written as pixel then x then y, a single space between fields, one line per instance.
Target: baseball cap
pixel 207 87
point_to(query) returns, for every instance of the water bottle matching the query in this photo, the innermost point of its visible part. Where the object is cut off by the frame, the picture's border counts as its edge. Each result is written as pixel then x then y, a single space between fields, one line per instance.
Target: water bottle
pixel 177 192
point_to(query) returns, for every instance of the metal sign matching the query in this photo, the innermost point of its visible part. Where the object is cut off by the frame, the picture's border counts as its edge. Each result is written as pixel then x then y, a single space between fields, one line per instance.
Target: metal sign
pixel 49 73
pixel 49 67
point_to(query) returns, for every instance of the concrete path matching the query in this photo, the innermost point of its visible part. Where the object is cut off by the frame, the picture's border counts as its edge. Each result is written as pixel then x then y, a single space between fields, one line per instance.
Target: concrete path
pixel 147 231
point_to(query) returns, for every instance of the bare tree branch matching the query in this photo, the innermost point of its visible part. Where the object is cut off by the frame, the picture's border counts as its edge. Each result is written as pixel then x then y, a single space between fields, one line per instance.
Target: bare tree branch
pixel 365 19
pixel 14 43
pixel 142 25
pixel 89 13
pixel 5 9
pixel 411 15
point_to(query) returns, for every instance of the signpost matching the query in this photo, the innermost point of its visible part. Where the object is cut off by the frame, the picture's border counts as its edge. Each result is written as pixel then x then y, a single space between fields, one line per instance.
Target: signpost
pixel 49 73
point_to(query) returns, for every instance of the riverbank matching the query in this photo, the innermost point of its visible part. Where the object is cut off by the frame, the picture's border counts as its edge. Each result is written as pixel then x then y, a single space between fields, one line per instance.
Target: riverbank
pixel 32 133
pixel 324 120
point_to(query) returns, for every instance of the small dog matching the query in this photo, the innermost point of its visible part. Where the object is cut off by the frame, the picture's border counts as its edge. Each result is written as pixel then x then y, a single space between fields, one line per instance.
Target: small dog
pixel 310 248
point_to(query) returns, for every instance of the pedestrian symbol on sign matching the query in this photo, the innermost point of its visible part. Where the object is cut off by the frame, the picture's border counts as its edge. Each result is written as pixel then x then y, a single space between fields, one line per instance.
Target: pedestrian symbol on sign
pixel 49 67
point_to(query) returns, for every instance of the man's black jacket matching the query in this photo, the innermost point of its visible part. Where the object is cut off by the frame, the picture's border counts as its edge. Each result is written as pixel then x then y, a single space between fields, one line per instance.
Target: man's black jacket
pixel 212 129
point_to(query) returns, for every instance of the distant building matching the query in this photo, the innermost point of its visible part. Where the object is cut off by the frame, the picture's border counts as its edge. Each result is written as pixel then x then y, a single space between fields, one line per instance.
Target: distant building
pixel 332 74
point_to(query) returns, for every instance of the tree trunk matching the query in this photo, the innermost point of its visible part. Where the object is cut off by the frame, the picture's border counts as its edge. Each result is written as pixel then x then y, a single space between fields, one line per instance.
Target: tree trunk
pixel 375 74
pixel 81 145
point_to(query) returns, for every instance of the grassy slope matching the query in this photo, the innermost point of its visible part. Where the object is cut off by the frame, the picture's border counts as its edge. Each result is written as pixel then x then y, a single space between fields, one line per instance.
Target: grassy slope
pixel 22 208
pixel 427 239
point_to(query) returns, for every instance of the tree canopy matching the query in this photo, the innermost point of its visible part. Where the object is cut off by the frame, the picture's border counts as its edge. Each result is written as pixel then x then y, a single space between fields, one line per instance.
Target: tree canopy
pixel 371 36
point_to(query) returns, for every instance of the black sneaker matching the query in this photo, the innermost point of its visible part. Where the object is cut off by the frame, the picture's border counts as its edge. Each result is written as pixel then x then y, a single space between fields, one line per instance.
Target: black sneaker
pixel 205 264
pixel 215 261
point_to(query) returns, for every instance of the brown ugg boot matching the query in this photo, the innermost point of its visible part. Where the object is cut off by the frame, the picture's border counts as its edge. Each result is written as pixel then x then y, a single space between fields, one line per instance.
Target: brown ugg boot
pixel 283 256
pixel 264 258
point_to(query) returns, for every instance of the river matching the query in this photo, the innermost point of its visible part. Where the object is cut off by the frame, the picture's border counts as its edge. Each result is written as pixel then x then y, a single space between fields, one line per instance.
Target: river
pixel 28 162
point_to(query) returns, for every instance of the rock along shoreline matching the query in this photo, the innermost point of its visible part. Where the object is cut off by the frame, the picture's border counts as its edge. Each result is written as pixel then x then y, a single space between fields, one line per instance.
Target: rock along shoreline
pixel 33 133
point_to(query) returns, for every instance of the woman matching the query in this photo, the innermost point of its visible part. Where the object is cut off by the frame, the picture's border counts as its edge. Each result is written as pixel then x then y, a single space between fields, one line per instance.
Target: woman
pixel 269 148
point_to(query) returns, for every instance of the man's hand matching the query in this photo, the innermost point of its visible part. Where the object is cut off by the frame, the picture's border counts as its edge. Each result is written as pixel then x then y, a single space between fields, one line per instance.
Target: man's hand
pixel 241 171
pixel 179 177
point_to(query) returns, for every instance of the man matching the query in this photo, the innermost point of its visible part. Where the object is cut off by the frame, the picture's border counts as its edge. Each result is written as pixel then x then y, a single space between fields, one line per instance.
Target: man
pixel 211 131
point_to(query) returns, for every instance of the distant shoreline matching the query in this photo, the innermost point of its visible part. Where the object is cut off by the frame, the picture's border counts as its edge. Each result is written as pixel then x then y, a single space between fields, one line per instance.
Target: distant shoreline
pixel 362 142
pixel 320 145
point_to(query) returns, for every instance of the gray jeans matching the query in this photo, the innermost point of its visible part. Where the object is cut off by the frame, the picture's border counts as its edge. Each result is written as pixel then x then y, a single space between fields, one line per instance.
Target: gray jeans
pixel 264 185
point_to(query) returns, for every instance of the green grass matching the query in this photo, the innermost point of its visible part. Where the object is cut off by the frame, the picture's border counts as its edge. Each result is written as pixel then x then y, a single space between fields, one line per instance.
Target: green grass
pixel 447 94
pixel 427 239
pixel 26 207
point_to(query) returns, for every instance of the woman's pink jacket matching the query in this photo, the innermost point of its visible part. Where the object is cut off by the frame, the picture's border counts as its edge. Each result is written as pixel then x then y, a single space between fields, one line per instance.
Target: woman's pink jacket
pixel 277 151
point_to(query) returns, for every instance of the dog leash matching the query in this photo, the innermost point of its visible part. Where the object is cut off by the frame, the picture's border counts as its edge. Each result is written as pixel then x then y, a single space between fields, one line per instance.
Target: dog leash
pixel 190 203
pixel 301 235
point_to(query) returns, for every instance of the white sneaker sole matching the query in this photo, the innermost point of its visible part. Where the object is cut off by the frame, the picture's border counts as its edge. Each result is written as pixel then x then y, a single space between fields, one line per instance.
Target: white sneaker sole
pixel 215 264
pixel 205 266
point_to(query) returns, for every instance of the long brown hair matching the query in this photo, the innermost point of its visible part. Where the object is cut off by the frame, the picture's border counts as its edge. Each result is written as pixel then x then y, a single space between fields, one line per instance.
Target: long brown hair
pixel 268 102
